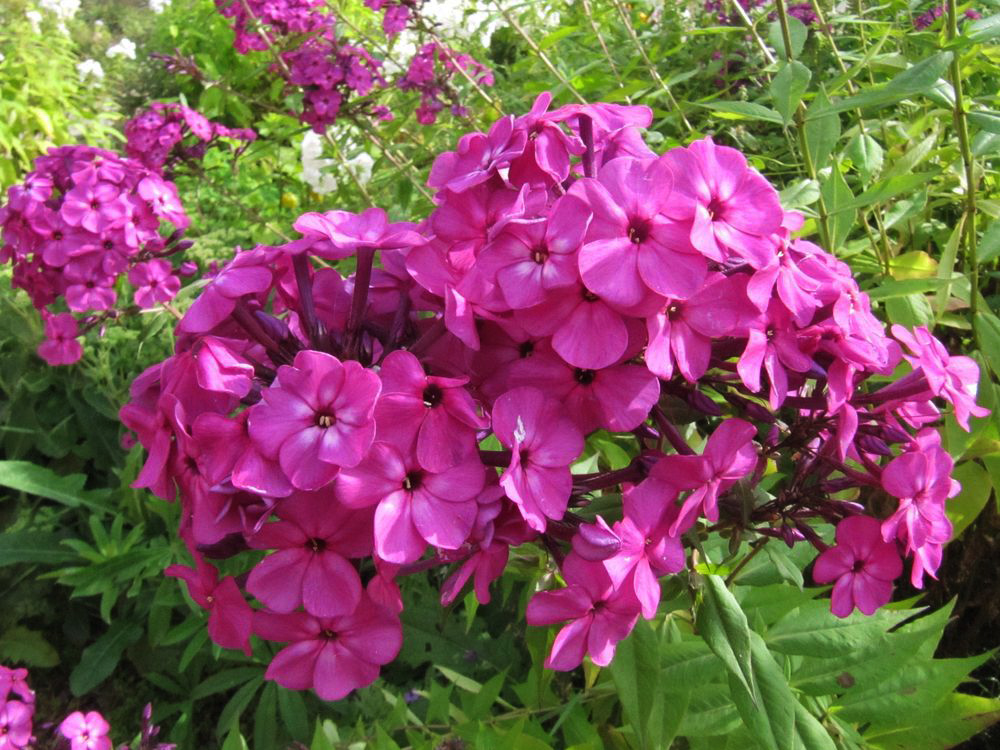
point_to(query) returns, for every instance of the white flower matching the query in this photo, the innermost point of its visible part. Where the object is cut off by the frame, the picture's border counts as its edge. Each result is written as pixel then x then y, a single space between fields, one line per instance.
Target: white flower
pixel 90 68
pixel 158 6
pixel 35 19
pixel 362 165
pixel 124 48
pixel 2 58
pixel 63 9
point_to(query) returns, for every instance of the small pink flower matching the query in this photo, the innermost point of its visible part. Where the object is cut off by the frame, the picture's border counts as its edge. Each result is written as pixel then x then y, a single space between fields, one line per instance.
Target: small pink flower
pixel 862 565
pixel 60 346
pixel 154 281
pixel 86 732
pixel 15 725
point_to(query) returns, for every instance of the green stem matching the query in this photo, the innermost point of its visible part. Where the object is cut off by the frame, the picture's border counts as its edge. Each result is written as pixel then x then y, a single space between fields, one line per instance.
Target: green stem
pixel 962 126
pixel 800 127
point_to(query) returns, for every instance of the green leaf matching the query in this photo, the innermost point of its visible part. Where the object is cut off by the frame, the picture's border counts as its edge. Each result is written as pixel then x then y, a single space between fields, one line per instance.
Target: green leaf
pixel 797 33
pixel 976 487
pixel 225 680
pixel 33 547
pixel 822 130
pixel 989 245
pixel 800 193
pixel 654 714
pixel 866 154
pixel 917 79
pixel 20 645
pixel 234 740
pixel 915 264
pixel 236 705
pixel 988 326
pixel 838 199
pixel 771 720
pixel 101 657
pixel 983 29
pixel 37 480
pixel 724 627
pixel 788 87
pixel 911 310
pixel 988 121
pixel 744 111
pixel 786 567
pixel 948 724
pixel 265 719
pixel 293 713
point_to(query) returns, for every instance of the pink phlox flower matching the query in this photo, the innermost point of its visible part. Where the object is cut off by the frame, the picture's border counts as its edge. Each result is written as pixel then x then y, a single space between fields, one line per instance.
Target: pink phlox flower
pixel 530 257
pixel 316 417
pixel 596 541
pixel 16 724
pixel 86 731
pixel 88 285
pixel 632 250
pixel 163 199
pixel 154 281
pixel 313 540
pixel 955 379
pixel 648 549
pixel 478 157
pixel 60 346
pixel 729 456
pixel 339 234
pixel 87 205
pixel 862 565
pixel 543 443
pixel 683 331
pixel 599 615
pixel 15 680
pixel 617 398
pixel 227 453
pixel 435 415
pixel 921 479
pixel 331 655
pixel 222 365
pixel 230 617
pixel 795 288
pixel 774 347
pixel 733 208
pixel 483 566
pixel 545 160
pixel 415 507
pixel 249 273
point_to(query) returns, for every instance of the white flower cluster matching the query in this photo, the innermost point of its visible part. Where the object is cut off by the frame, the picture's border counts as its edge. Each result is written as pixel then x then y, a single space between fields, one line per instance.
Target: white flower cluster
pixel 123 48
pixel 89 68
pixel 313 165
pixel 63 9
pixel 158 6
pixel 35 20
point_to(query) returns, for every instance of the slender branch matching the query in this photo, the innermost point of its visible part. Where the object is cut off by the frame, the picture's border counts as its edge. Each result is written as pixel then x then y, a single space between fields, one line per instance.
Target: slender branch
pixel 588 11
pixel 741 12
pixel 627 21
pixel 745 561
pixel 962 126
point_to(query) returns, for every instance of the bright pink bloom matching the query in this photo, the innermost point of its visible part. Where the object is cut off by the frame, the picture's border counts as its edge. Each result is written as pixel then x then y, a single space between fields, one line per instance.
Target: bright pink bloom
pixel 477 157
pixel 15 725
pixel 60 346
pixel 773 346
pixel 154 282
pixel 729 456
pixel 733 210
pixel 921 480
pixel 484 566
pixel 684 330
pixel 543 444
pixel 230 617
pixel 317 416
pixel 952 378
pixel 415 507
pixel 162 197
pixel 249 273
pixel 862 565
pixel 88 205
pixel 631 249
pixel 435 415
pixel 647 546
pixel 599 616
pixel 86 732
pixel 314 539
pixel 338 234
pixel 332 655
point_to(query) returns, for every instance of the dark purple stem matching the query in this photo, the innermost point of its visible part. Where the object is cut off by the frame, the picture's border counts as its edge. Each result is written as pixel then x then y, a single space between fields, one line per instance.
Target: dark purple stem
pixel 500 459
pixel 432 334
pixel 399 321
pixel 587 136
pixel 671 433
pixel 362 280
pixel 314 329
pixel 601 480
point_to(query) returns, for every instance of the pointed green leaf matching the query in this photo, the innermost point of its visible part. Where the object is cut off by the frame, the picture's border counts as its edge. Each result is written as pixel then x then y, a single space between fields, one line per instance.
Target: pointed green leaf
pixel 788 87
pixel 101 657
pixel 724 627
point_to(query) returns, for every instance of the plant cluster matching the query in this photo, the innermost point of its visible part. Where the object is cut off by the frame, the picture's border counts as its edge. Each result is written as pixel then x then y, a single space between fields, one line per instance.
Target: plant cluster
pixel 569 280
pixel 80 220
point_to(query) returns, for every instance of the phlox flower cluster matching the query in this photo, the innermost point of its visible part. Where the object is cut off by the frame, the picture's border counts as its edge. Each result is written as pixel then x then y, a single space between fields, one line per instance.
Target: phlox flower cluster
pixel 124 47
pixel 722 14
pixel 328 70
pixel 326 432
pixel 927 19
pixel 80 220
pixel 169 133
pixel 79 730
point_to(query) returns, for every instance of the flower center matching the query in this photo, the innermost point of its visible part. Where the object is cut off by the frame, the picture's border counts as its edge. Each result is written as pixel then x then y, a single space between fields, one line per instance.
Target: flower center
pixel 859 565
pixel 413 480
pixel 589 296
pixel 327 635
pixel 584 377
pixel 432 396
pixel 638 231
pixel 316 544
pixel 325 420
pixel 526 349
pixel 716 209
pixel 540 255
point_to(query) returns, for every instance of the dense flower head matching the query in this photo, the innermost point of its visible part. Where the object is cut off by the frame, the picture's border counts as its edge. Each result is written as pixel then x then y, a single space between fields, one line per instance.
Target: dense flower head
pixel 570 288
pixel 168 133
pixel 82 218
